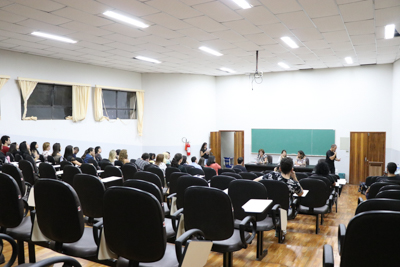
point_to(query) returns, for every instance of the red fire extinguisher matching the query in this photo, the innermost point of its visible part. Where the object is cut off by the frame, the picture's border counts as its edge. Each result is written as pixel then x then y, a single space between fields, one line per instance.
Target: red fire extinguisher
pixel 187 146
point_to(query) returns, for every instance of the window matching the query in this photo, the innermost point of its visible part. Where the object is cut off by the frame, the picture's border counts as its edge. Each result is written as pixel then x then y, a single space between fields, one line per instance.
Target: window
pixel 50 102
pixel 119 104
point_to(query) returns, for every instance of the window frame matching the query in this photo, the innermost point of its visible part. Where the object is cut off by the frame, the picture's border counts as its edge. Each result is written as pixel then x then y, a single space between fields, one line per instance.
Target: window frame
pixel 116 109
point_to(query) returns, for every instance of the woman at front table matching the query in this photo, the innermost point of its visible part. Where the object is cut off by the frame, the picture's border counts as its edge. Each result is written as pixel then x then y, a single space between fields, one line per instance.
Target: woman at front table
pixel 301 159
pixel 262 156
pixel 283 155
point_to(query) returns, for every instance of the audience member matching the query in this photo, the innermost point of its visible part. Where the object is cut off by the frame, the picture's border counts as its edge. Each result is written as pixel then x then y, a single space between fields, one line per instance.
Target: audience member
pixel 76 151
pixel 112 156
pixel 205 152
pixel 202 162
pixel 123 156
pixel 176 162
pixel 167 157
pixel 212 164
pixel 322 169
pixel 46 150
pixel 391 168
pixel 240 166
pixel 97 153
pixel 23 148
pixel 5 140
pixel 143 161
pixel 3 158
pixel 301 159
pixel 194 163
pixel 14 149
pixel 119 151
pixel 283 155
pixel 152 158
pixel 69 155
pixel 33 151
pixel 56 153
pixel 89 154
pixel 184 160
pixel 160 162
pixel 262 157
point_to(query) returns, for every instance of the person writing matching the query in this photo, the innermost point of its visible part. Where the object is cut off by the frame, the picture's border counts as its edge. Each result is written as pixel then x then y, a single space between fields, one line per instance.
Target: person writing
pixel 204 152
pixel 262 157
pixel 331 158
pixel 301 159
pixel 283 155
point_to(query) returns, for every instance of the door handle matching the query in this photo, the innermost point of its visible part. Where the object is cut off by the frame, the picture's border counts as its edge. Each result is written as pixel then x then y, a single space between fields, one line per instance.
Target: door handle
pixel 365 159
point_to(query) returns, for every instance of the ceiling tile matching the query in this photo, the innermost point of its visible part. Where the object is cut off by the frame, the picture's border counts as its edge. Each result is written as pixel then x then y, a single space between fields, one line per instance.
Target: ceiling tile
pixel 197 34
pixel 296 20
pixel 36 25
pixel 260 39
pixel 31 50
pixel 230 36
pixel 363 39
pixel 329 24
pixel 89 38
pixel 360 27
pixel 156 48
pixel 24 37
pixel 238 52
pixel 382 50
pixel 324 52
pixel 276 30
pixel 365 48
pixel 316 44
pixel 277 49
pixel 158 40
pixel 363 10
pixel 10 17
pixel 301 51
pixel 218 44
pixel 336 37
pixel 7 45
pixel 205 23
pixel 389 42
pixel 123 39
pixel 175 8
pixel 113 28
pixel 15 28
pixel 74 14
pixel 318 8
pixel 242 27
pixel 89 6
pixel 248 46
pixel 367 61
pixel 62 45
pixel 5 3
pixel 25 43
pixel 341 46
pixel 63 51
pixel 122 46
pixel 167 21
pixel 134 8
pixel 386 3
pixel 258 15
pixel 163 32
pixel 281 6
pixel 307 34
pixel 44 5
pixel 93 46
pixel 388 16
pixel 218 11
pixel 35 14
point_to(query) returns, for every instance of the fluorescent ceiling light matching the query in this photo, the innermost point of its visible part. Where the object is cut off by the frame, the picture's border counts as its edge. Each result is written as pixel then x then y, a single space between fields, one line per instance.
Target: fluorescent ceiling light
pixel 243 4
pixel 126 19
pixel 289 42
pixel 349 60
pixel 148 59
pixel 389 31
pixel 227 70
pixel 284 65
pixel 54 37
pixel 209 50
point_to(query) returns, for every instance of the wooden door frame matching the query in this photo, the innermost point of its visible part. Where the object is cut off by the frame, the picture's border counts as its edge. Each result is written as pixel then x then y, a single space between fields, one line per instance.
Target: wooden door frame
pixel 219 132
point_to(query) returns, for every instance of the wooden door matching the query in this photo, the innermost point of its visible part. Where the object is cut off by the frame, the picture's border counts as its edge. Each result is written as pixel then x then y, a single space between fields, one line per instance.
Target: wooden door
pixel 215 145
pixel 377 147
pixel 238 146
pixel 358 157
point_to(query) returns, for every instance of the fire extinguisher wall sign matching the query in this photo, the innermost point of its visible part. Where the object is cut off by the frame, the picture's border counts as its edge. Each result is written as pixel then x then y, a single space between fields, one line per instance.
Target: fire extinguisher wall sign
pixel 187 146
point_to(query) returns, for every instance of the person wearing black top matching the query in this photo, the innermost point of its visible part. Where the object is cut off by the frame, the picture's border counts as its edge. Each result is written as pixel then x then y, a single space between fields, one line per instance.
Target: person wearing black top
pixel 23 148
pixel 240 166
pixel 204 152
pixel 97 153
pixel 322 169
pixel 69 155
pixel 331 158
pixel 176 162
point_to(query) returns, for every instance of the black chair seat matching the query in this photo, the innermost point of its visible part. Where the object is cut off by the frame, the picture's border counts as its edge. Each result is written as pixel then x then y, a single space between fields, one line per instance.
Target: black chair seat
pixel 84 248
pixel 306 210
pixel 22 231
pixel 264 225
pixel 169 259
pixel 231 244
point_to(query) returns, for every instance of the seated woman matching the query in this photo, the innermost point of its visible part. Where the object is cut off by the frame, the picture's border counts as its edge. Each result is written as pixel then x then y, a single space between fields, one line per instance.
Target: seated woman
pixel 89 154
pixel 46 150
pixel 152 158
pixel 97 153
pixel 301 159
pixel 262 157
pixel 283 155
pixel 212 164
pixel 322 169
pixel 69 155
pixel 160 162
pixel 123 156
pixel 167 157
pixel 112 156
pixel 23 148
pixel 201 162
pixel 176 162
pixel 56 153
pixel 33 150
pixel 14 149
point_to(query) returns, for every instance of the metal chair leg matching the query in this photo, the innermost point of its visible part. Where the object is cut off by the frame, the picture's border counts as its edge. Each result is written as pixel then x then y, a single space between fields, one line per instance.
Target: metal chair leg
pixel 228 259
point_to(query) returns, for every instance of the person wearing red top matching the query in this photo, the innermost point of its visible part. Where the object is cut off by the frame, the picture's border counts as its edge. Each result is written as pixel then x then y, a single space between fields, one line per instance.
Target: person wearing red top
pixel 5 140
pixel 212 164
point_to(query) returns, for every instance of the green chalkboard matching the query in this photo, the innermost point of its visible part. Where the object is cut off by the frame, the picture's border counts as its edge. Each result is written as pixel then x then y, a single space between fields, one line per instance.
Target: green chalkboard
pixel 273 141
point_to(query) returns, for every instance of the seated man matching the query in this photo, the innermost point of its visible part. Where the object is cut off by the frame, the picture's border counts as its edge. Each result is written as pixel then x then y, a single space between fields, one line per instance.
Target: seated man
pixel 240 166
pixel 194 163
pixel 391 169
pixel 286 175
pixel 143 161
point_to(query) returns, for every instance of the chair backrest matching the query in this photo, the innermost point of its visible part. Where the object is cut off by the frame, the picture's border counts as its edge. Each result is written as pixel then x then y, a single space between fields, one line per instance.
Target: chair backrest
pixel 11 156
pixel 18 157
pixel 80 160
pixel 69 174
pixel 221 181
pixel 145 186
pixel 386 187
pixel 118 163
pixel 277 191
pixel 195 171
pixel 94 162
pixel 237 170
pixel 90 190
pixel 269 158
pixel 241 191
pixel 373 231
pixel 28 171
pixel 210 210
pixel 46 170
pixel 233 174
pixel 33 162
pixel 324 179
pixel 140 237
pixel 248 175
pixel 88 169
pixel 173 181
pixel 374 188
pixel 41 158
pixel 183 183
pixel 301 175
pixel 104 163
pixel 11 203
pixel 156 170
pixel 15 173
pixel 65 163
pixel 317 195
pixel 63 225
pixel 128 171
pixel 258 174
pixel 370 180
pixel 221 171
pixel 169 171
pixel 149 177
pixel 307 161
pixel 112 171
pixel 378 204
pixel 392 194
pixel 209 173
pixel 51 160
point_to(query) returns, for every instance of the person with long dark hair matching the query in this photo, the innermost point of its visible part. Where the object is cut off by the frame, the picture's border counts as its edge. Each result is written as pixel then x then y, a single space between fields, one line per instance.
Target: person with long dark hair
pixel 89 154
pixel 301 159
pixel 283 155
pixel 56 153
pixel 176 162
pixel 262 157
pixel 205 152
pixel 33 150
pixel 23 148
pixel 212 164
pixel 14 149
pixel 97 153
pixel 69 155
pixel 202 162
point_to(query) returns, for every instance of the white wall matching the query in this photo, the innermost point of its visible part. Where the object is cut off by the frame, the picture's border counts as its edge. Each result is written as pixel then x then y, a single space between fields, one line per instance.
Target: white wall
pixel 343 99
pixel 177 106
pixel 396 113
pixel 110 135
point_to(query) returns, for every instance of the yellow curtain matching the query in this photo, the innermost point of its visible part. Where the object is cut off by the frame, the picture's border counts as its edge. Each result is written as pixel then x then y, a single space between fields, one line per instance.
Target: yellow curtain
pixel 140 108
pixel 80 102
pixel 27 88
pixel 98 105
pixel 3 82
